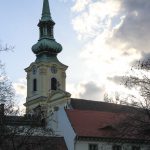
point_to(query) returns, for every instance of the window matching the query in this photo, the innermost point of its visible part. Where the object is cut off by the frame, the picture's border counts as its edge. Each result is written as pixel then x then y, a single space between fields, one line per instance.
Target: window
pixel 49 31
pixel 135 148
pixel 34 85
pixel 93 146
pixel 41 32
pixel 54 69
pixel 116 147
pixel 34 70
pixel 53 84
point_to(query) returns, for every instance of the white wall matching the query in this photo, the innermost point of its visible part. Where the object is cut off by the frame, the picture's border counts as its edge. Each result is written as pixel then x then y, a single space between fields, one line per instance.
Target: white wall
pixel 66 129
pixel 63 127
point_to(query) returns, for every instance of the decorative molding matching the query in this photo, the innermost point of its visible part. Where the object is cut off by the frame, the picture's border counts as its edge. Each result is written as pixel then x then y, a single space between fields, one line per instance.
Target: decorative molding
pixel 35 101
pixel 43 71
pixel 114 140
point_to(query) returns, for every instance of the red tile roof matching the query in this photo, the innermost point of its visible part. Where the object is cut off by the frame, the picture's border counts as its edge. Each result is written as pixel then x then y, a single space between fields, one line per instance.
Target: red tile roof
pixel 82 104
pixel 97 124
pixel 93 123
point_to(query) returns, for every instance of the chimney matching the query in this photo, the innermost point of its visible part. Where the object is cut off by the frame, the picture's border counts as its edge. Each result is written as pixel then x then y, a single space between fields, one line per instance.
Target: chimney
pixel 2 109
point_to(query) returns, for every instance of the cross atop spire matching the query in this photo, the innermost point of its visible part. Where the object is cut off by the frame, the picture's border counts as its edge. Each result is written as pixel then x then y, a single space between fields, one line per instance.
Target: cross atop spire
pixel 46 15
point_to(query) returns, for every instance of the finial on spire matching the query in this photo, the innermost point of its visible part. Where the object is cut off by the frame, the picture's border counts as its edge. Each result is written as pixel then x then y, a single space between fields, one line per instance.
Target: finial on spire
pixel 46 15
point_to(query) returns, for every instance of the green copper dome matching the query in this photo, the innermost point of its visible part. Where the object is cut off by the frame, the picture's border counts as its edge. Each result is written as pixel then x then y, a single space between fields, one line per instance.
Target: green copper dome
pixel 46 45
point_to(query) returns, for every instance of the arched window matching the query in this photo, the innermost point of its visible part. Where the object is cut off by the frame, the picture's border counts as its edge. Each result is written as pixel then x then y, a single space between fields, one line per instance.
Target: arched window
pixel 53 84
pixel 34 85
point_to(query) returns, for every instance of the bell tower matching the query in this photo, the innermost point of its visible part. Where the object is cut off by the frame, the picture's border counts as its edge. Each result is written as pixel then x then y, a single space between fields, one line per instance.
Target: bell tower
pixel 47 74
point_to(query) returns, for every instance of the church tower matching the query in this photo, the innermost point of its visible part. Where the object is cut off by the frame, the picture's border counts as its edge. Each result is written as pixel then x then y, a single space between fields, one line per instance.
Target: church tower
pixel 47 75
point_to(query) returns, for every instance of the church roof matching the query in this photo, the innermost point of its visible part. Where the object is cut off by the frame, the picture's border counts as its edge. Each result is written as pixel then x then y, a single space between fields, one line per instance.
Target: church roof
pixel 91 123
pixel 99 124
pixel 82 104
pixel 104 120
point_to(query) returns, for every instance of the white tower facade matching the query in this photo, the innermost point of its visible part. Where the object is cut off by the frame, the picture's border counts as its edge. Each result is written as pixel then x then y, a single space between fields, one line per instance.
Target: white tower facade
pixel 46 77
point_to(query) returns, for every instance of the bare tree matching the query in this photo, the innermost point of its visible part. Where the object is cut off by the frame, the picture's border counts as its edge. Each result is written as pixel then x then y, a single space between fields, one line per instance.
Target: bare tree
pixel 16 132
pixel 139 80
pixel 110 99
pixel 135 123
pixel 6 90
pixel 6 48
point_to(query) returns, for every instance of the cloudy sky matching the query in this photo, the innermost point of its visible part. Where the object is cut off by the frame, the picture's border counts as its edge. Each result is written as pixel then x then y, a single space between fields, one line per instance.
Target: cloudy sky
pixel 101 40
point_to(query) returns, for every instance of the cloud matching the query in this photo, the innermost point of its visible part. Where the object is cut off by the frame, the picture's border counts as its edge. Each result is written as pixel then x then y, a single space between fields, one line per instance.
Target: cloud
pixel 95 17
pixel 21 92
pixel 145 57
pixel 20 87
pixel 116 79
pixel 135 26
pixel 115 34
pixel 87 90
pixel 80 5
pixel 91 91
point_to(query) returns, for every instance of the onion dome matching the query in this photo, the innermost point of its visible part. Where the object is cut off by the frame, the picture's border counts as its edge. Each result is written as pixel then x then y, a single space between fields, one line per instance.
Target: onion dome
pixel 46 44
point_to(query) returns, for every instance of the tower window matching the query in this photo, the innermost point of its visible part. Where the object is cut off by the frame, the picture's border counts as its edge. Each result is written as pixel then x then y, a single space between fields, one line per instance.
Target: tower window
pixel 53 84
pixel 48 31
pixel 41 32
pixel 34 85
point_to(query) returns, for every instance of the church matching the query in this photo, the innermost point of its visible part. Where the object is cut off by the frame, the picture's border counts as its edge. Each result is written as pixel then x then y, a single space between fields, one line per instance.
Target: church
pixel 80 124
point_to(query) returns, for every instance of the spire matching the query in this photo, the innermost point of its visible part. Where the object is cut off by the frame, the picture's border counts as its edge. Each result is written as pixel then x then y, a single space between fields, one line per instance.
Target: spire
pixel 46 47
pixel 46 15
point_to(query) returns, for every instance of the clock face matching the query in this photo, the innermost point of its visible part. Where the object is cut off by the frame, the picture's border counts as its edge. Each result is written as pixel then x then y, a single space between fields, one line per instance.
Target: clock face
pixel 54 69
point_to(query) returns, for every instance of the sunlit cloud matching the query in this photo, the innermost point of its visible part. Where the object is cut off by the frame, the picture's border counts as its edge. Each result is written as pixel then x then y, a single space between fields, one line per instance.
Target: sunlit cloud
pixel 20 87
pixel 80 5
pixel 21 91
pixel 114 34
pixel 96 19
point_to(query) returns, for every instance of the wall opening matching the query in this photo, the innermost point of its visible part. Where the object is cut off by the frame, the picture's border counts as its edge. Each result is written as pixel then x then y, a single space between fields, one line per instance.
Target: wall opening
pixel 53 84
pixel 35 85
